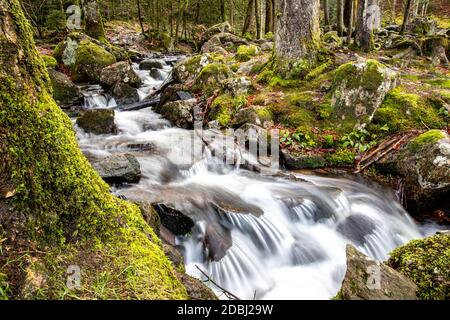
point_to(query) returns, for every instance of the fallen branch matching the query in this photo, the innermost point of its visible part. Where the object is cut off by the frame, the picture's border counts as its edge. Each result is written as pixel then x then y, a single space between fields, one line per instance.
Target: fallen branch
pixel 225 291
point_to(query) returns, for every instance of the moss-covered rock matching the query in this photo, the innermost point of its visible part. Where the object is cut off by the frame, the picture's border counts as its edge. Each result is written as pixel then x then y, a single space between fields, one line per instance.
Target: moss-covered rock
pixel 186 70
pixel 49 61
pixel 358 91
pixel 225 107
pixel 97 121
pixel 119 72
pixel 211 77
pixel 427 263
pixel 180 113
pixel 299 160
pixel 65 92
pixel 245 53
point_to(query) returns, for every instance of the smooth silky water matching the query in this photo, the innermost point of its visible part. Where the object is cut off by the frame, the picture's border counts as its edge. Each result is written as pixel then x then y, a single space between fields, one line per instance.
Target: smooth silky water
pixel 288 235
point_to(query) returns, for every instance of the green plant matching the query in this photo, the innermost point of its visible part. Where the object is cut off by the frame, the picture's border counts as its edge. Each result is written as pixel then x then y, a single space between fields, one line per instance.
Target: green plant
pixel 360 140
pixel 297 139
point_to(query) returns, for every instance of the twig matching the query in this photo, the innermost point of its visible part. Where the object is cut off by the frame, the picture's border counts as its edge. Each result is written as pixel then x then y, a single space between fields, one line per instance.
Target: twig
pixel 227 293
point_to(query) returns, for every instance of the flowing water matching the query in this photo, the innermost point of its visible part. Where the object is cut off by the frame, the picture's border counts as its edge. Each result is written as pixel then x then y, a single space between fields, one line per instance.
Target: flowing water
pixel 288 236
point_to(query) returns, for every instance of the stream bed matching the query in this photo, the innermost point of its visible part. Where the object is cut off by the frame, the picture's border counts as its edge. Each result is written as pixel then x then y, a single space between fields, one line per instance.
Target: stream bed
pixel 288 233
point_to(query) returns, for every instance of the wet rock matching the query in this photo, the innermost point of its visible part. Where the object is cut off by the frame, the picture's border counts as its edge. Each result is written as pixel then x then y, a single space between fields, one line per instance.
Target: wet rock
pixel 180 113
pixel 65 92
pixel 356 228
pixel 124 93
pixel 120 72
pixel 175 221
pixel 97 121
pixel 298 161
pixel 424 165
pixel 358 91
pixel 119 168
pixel 217 241
pixel 151 64
pixel 174 93
pixel 156 74
pixel 211 45
pixel 367 279
pixel 427 263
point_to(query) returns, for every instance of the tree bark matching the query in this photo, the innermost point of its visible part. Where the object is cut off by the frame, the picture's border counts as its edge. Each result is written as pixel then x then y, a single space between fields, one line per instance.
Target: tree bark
pixel 340 17
pixel 258 19
pixel 248 17
pixel 406 16
pixel 268 27
pixel 93 20
pixel 297 36
pixel 223 17
pixel 140 18
pixel 350 22
pixel 368 20
pixel 326 12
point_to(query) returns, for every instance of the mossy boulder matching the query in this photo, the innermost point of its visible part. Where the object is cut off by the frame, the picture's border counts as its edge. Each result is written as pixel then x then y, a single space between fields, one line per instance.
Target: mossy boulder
pixel 224 108
pixel 124 93
pixel 119 168
pixel 332 39
pixel 297 160
pixel 186 70
pixel 119 72
pixel 49 61
pixel 424 165
pixel 360 282
pixel 245 53
pixel 427 263
pixel 97 121
pixel 237 86
pixel 220 28
pixel 212 77
pixel 358 90
pixel 65 92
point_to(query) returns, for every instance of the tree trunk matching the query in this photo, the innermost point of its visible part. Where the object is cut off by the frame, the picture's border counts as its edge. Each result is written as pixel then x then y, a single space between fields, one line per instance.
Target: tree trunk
pixel 367 21
pixel 340 17
pixel 93 20
pixel 297 37
pixel 347 6
pixel 258 19
pixel 140 18
pixel 269 17
pixel 63 213
pixel 350 22
pixel 406 16
pixel 326 12
pixel 393 11
pixel 248 17
pixel 223 17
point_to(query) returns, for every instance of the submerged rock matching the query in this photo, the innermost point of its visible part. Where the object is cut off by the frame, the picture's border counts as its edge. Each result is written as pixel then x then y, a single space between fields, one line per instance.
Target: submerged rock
pixel 120 72
pixel 367 279
pixel 119 168
pixel 358 91
pixel 150 64
pixel 97 121
pixel 65 92
pixel 424 165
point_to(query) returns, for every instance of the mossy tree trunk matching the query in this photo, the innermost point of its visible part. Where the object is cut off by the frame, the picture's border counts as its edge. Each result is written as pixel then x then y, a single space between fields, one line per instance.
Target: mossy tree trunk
pixel 248 17
pixel 93 20
pixel 350 21
pixel 365 24
pixel 66 211
pixel 297 36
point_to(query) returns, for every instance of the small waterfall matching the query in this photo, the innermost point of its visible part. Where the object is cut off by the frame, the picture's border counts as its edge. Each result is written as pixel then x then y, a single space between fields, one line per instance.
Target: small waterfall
pixel 287 237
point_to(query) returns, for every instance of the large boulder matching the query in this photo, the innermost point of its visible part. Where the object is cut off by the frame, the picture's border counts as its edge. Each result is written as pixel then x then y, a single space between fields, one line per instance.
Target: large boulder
pixel 124 93
pixel 367 279
pixel 86 57
pixel 97 121
pixel 180 113
pixel 427 263
pixel 173 93
pixel 150 64
pixel 175 221
pixel 212 77
pixel 65 92
pixel 424 165
pixel 119 72
pixel 119 168
pixel 220 28
pixel 186 70
pixel 298 160
pixel 358 90
pixel 237 86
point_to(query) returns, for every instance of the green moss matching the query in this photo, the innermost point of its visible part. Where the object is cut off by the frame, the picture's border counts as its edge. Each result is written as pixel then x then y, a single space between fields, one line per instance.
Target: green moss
pixel 402 111
pixel 245 53
pixel 90 59
pixel 49 61
pixel 211 77
pixel 425 139
pixel 370 79
pixel 264 114
pixel 440 83
pixel 265 76
pixel 298 118
pixel 278 82
pixel 427 263
pixel 341 158
pixel 324 110
pixel 69 212
pixel 300 99
pixel 320 69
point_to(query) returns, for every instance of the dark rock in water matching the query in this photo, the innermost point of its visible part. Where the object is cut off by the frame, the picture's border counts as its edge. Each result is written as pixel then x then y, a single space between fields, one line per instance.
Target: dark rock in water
pixel 195 288
pixel 142 147
pixel 140 105
pixel 65 92
pixel 97 121
pixel 298 161
pixel 120 72
pixel 367 279
pixel 306 252
pixel 356 227
pixel 174 93
pixel 177 222
pixel 151 64
pixel 119 168
pixel 156 74
pixel 124 93
pixel 180 113
pixel 217 241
